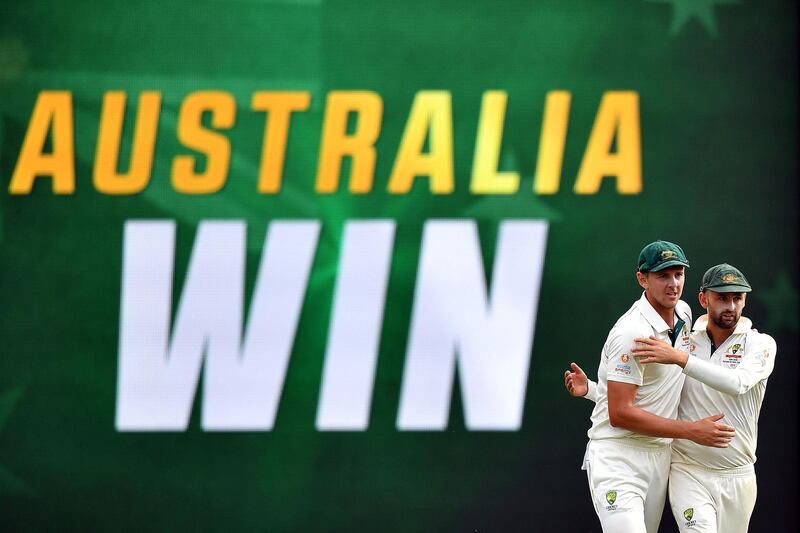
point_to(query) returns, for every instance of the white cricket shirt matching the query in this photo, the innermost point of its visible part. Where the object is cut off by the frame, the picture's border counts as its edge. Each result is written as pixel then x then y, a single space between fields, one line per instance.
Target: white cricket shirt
pixel 732 380
pixel 659 385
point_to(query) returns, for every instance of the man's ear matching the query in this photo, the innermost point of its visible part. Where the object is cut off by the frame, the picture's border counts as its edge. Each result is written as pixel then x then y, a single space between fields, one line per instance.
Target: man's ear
pixel 642 279
pixel 703 299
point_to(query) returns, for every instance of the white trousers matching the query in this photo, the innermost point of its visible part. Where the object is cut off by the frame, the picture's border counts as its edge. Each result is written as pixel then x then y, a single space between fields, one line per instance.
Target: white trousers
pixel 628 483
pixel 712 501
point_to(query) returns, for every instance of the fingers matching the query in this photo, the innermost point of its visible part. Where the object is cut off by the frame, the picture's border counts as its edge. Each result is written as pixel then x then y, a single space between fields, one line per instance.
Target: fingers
pixel 652 350
pixel 642 347
pixel 575 368
pixel 718 434
pixel 649 341
pixel 724 439
pixel 724 433
pixel 721 440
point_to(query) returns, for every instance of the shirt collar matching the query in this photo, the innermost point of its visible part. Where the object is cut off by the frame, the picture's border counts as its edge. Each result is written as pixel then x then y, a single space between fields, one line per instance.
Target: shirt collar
pixel 652 315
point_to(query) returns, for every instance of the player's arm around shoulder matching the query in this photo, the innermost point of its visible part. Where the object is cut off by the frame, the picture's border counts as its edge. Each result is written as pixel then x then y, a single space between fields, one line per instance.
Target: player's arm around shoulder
pixel 651 350
pixel 756 366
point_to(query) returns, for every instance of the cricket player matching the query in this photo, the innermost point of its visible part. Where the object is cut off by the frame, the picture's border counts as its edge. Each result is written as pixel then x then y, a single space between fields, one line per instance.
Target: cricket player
pixel 628 455
pixel 714 490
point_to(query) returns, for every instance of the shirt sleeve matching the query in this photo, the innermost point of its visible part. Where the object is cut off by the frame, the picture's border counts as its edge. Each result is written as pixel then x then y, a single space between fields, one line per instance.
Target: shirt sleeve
pixel 622 365
pixel 757 364
pixel 592 394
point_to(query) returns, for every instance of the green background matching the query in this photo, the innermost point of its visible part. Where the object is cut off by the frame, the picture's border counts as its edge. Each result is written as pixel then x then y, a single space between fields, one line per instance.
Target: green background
pixel 717 81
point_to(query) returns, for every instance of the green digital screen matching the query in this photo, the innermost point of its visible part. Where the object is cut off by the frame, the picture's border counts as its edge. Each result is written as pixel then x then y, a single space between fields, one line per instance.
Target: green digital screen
pixel 320 265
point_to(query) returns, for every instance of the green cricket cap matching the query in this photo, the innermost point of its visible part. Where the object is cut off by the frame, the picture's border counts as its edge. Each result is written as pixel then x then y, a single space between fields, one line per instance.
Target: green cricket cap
pixel 660 255
pixel 724 278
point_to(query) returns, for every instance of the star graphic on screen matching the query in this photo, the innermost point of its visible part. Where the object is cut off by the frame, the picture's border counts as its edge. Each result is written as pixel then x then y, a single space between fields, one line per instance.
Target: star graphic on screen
pixel 685 10
pixel 781 304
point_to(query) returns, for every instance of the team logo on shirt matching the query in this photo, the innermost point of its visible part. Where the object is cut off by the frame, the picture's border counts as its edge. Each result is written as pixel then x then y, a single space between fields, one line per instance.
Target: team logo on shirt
pixel 688 514
pixel 731 360
pixel 625 358
pixel 733 357
pixel 685 344
pixel 611 497
pixel 622 369
pixel 762 358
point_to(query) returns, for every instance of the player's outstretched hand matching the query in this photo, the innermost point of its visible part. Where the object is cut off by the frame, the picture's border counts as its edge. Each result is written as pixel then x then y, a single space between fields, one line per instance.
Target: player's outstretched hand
pixel 576 381
pixel 711 432
pixel 652 350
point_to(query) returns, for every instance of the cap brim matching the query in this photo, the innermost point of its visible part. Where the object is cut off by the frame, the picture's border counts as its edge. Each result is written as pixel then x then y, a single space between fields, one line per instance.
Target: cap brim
pixel 670 263
pixel 729 288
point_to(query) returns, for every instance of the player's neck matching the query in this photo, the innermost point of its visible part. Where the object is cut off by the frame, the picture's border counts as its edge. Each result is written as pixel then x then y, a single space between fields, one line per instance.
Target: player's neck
pixel 717 334
pixel 666 313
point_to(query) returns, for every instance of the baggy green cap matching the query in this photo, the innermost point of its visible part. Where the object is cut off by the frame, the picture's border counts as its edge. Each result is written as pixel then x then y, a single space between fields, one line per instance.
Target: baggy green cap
pixel 724 278
pixel 660 255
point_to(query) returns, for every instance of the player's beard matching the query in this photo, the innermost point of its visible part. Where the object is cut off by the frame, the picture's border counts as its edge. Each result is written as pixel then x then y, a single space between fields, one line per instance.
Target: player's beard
pixel 726 320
